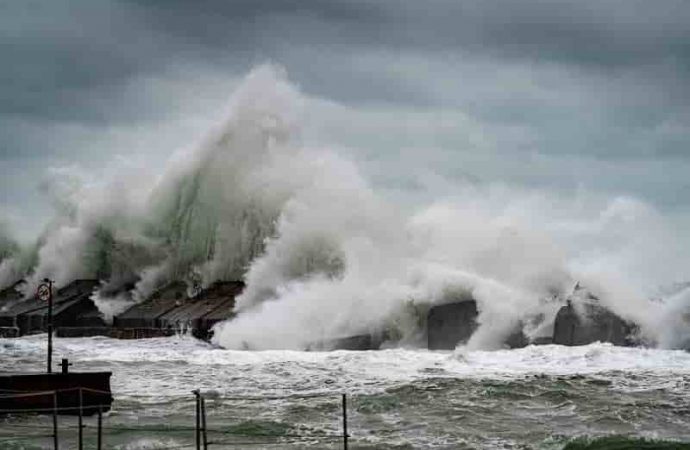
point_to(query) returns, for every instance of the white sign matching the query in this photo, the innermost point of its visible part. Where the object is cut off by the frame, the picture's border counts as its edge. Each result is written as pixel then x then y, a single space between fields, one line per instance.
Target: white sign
pixel 43 292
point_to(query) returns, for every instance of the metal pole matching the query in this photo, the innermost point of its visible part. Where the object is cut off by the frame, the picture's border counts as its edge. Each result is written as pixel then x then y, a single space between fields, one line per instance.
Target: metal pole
pixel 345 436
pixel 203 422
pixel 50 325
pixel 198 419
pixel 55 421
pixel 81 417
pixel 99 442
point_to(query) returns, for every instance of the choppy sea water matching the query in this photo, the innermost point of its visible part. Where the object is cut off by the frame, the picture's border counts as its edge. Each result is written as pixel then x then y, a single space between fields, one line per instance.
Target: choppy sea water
pixel 536 397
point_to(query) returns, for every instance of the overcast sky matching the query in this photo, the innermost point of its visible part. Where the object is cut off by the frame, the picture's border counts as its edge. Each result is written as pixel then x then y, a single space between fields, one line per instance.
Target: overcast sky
pixel 557 95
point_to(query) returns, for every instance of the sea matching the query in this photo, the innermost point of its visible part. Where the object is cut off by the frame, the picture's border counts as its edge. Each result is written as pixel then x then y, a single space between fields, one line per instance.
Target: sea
pixel 537 397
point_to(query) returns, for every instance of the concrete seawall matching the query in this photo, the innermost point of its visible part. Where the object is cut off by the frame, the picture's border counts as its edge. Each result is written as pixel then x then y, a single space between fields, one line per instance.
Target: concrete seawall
pixel 175 308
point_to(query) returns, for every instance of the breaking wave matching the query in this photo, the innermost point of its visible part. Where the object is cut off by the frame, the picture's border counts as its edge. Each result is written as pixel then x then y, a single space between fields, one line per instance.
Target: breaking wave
pixel 325 255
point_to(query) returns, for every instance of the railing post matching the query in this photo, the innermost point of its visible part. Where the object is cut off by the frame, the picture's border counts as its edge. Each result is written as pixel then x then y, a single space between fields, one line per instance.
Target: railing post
pixel 203 422
pixel 99 442
pixel 49 285
pixel 81 419
pixel 55 421
pixel 198 419
pixel 345 436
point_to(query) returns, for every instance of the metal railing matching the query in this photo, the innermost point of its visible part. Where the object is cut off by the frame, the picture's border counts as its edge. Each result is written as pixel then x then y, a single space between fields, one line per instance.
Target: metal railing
pixel 200 429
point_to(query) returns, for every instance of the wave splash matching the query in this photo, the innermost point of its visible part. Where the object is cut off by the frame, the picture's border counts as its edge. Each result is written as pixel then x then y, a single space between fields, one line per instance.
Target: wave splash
pixel 325 255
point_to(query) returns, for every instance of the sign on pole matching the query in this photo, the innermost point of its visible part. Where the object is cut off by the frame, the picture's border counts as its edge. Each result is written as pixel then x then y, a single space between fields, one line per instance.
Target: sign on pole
pixel 43 292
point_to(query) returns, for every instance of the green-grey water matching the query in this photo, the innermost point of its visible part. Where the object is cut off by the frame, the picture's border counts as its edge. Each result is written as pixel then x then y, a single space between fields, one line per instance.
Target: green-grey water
pixel 537 397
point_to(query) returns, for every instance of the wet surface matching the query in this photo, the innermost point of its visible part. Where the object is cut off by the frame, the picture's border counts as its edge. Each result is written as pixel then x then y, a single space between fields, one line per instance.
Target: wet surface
pixel 538 397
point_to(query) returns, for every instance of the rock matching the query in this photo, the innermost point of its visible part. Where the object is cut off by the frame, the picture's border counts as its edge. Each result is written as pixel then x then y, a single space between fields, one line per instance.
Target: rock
pixel 594 323
pixel 451 324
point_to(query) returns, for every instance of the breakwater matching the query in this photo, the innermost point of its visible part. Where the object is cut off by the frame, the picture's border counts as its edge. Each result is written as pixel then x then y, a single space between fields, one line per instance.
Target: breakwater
pixel 176 308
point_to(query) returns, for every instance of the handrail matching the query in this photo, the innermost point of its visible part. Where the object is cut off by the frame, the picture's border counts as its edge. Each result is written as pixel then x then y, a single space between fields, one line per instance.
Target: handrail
pixel 257 438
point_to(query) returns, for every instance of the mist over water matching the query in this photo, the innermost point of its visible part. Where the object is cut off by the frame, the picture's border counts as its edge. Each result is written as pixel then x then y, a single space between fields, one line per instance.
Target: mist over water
pixel 325 255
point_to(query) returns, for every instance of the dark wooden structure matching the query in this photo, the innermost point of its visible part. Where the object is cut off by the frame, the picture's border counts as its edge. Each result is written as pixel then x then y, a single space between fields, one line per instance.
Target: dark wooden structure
pixel 8 298
pixel 40 393
pixel 209 306
pixel 148 313
pixel 169 310
pixel 72 306
pixel 11 294
pixel 172 309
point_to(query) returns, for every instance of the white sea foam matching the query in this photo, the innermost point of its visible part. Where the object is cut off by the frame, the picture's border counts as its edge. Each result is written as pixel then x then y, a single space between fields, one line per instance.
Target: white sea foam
pixel 172 366
pixel 150 444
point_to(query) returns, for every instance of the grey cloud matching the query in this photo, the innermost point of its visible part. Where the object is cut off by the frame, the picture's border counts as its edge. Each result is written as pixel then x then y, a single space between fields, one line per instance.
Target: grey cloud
pixel 59 53
pixel 601 80
pixel 65 56
pixel 607 32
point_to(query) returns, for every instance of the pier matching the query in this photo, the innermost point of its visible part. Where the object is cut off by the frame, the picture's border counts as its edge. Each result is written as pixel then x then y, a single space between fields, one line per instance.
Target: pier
pixel 66 392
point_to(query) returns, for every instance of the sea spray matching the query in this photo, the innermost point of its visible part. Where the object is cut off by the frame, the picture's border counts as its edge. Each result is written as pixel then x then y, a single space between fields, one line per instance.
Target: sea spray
pixel 15 259
pixel 208 212
pixel 673 321
pixel 325 255
pixel 8 251
pixel 110 304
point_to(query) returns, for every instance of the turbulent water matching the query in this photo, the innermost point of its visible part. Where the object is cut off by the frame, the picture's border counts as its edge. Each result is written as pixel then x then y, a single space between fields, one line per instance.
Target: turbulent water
pixel 536 397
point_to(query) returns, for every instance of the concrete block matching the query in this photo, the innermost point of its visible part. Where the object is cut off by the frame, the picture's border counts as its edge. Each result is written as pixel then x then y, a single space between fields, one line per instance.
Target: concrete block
pixel 593 323
pixel 451 324
pixel 517 338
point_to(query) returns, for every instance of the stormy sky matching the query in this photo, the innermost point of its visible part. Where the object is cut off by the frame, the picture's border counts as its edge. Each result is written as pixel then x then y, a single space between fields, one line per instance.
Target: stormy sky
pixel 554 95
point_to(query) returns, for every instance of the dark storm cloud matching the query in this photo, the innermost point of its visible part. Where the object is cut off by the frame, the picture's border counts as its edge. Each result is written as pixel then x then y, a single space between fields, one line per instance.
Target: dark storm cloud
pixel 601 34
pixel 65 59
pixel 55 52
pixel 608 79
pixel 606 33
